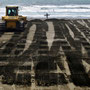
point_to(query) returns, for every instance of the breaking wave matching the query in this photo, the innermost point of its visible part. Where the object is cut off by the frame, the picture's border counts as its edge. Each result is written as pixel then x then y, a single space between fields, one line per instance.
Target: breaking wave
pixel 55 11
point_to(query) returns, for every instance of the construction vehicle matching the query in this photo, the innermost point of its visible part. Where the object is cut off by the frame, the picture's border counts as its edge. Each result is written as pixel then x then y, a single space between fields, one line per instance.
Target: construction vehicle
pixel 13 21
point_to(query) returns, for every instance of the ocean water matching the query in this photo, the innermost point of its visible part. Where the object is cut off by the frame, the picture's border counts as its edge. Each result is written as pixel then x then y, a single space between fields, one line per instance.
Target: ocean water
pixel 55 8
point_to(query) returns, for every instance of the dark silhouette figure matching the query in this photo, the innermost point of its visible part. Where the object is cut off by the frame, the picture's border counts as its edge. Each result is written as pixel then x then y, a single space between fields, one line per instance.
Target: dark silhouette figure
pixel 47 15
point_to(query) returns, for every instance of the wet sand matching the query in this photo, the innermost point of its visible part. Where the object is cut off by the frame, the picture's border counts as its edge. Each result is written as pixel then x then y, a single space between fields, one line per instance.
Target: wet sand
pixel 54 54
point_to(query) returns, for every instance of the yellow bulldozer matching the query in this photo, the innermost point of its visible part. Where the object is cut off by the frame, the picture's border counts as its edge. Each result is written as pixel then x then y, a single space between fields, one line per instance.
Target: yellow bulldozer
pixel 12 21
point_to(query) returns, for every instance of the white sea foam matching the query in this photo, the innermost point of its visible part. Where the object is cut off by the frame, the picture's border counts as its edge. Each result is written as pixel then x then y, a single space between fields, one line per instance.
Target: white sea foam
pixel 55 11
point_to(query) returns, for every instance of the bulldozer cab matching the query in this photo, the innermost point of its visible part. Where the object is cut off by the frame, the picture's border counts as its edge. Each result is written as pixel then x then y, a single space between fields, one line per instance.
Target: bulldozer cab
pixel 11 10
pixel 12 20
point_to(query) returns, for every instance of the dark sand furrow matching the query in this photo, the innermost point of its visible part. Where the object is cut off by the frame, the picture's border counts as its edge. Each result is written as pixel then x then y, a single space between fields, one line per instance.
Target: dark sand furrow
pixel 21 43
pixel 83 28
pixel 59 41
pixel 76 67
pixel 43 65
pixel 56 43
pixel 88 30
pixel 77 34
pixel 55 51
pixel 38 47
pixel 84 39
pixel 12 46
pixel 7 53
pixel 11 43
pixel 35 42
pixel 70 39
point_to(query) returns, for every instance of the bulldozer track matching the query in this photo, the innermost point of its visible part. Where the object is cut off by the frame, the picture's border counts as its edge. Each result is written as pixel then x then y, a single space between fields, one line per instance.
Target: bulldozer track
pixel 46 54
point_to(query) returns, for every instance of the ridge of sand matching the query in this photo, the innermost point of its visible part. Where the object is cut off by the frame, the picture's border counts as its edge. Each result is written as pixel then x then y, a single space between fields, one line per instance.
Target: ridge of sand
pixel 30 37
pixel 50 34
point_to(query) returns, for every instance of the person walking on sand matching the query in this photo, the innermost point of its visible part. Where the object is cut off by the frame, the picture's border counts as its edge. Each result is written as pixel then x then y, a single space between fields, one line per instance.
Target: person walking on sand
pixel 47 15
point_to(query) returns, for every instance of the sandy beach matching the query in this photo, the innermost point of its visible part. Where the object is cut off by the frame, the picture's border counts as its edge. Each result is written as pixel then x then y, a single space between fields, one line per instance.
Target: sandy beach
pixel 51 54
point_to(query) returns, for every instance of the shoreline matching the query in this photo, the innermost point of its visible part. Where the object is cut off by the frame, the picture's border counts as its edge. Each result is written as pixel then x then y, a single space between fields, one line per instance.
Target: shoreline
pixel 28 19
pixel 58 18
